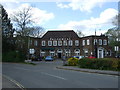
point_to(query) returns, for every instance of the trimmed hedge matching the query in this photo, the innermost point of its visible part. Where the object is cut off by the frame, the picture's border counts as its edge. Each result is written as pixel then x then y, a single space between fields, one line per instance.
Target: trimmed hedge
pixel 101 64
pixel 72 61
pixel 13 56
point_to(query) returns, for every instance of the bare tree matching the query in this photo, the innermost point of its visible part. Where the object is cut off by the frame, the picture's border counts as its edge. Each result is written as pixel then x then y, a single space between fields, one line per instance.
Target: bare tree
pixel 22 19
pixel 79 33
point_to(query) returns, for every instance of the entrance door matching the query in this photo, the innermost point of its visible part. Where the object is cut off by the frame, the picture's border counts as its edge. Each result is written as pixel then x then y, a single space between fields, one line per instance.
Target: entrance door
pixel 59 55
pixel 100 53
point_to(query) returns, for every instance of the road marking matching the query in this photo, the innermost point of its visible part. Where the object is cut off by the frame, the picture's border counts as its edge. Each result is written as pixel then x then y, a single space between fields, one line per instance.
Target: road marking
pixel 53 76
pixel 18 84
pixel 42 73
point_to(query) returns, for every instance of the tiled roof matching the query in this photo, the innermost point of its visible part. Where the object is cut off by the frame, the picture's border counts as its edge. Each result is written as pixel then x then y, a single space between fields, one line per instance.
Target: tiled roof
pixel 60 34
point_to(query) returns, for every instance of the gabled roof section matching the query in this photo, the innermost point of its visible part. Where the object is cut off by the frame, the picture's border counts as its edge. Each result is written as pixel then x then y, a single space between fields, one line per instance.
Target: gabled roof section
pixel 60 34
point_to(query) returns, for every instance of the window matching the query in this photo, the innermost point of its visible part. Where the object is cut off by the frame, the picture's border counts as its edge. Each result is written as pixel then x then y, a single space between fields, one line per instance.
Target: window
pixel 83 42
pixel 65 43
pixel 88 42
pixel 116 48
pixel 95 41
pixel 59 43
pixel 100 41
pixel 67 52
pixel 54 43
pixel 42 53
pixel 76 42
pixel 77 52
pixel 43 43
pixel 52 53
pixel 70 43
pixel 35 43
pixel 49 43
pixel 104 42
pixel 86 52
pixel 30 42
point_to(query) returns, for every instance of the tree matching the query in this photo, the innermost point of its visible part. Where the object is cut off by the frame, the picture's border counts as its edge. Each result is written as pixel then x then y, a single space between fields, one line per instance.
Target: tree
pixel 22 18
pixel 114 37
pixel 79 33
pixel 7 31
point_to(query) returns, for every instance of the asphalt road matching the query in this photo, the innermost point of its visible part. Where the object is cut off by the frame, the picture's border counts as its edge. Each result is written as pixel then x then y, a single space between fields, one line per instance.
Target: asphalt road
pixel 46 75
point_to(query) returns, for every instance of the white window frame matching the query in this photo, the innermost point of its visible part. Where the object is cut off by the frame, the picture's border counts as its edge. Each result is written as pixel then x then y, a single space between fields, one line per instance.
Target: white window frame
pixel 59 43
pixel 95 41
pixel 54 43
pixel 43 43
pixel 76 42
pixel 65 42
pixel 83 42
pixel 88 42
pixel 100 41
pixel 52 53
pixel 35 43
pixel 70 43
pixel 49 43
pixel 104 42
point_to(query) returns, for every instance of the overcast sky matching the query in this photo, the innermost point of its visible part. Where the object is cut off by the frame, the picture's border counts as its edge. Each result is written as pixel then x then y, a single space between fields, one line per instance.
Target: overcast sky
pixel 83 15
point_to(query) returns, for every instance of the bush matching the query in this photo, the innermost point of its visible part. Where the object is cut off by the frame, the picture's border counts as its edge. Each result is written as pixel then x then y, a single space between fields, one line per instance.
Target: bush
pixel 72 61
pixel 101 64
pixel 13 56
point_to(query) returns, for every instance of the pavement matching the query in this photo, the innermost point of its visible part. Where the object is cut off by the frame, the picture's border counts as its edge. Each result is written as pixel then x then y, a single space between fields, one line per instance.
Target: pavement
pixel 74 68
pixel 10 83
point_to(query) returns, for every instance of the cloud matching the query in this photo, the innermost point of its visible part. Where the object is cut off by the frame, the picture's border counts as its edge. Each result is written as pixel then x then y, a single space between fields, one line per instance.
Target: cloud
pixel 82 5
pixel 39 16
pixel 87 27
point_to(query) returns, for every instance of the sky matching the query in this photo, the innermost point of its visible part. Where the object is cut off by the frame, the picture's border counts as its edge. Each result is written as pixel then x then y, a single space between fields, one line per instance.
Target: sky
pixel 78 15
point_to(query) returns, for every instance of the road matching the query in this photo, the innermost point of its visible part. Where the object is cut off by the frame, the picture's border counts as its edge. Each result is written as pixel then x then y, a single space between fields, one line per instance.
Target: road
pixel 46 75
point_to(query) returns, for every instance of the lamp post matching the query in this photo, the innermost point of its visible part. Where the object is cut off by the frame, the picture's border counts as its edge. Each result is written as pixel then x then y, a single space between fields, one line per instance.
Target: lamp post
pixel 95 45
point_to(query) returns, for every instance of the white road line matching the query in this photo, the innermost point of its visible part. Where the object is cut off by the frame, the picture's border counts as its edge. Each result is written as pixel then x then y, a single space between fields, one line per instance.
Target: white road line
pixel 53 76
pixel 42 73
pixel 18 84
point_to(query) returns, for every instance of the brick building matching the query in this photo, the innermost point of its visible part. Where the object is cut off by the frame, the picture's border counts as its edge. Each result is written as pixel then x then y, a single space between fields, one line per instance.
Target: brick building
pixel 67 42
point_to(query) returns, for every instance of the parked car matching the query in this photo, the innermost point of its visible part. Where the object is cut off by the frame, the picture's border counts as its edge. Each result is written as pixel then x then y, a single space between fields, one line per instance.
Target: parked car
pixel 48 58
pixel 91 57
pixel 79 57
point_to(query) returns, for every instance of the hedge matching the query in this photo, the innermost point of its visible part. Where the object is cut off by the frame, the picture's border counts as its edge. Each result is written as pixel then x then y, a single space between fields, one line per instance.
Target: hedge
pixel 101 64
pixel 13 56
pixel 72 61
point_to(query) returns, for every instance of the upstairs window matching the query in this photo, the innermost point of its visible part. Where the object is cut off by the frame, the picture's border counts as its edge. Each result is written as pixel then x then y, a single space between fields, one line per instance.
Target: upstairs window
pixel 43 43
pixel 65 43
pixel 49 43
pixel 70 43
pixel 88 42
pixel 30 42
pixel 76 42
pixel 35 43
pixel 54 43
pixel 83 42
pixel 95 41
pixel 104 42
pixel 100 41
pixel 59 43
